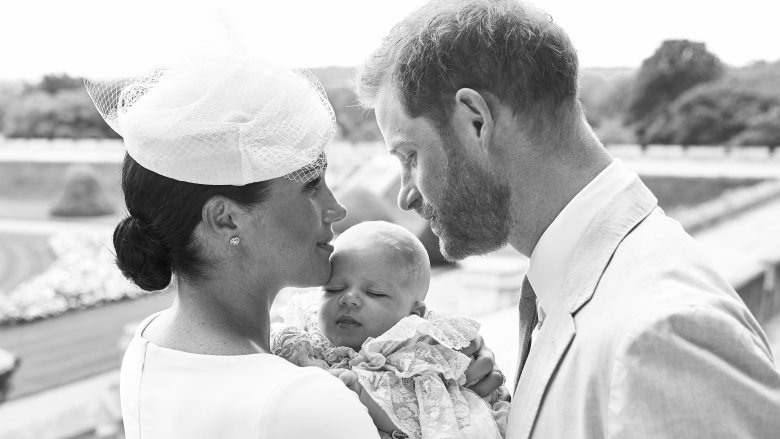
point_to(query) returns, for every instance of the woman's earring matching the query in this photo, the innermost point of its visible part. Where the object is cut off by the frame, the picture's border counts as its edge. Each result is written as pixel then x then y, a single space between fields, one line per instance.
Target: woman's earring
pixel 235 240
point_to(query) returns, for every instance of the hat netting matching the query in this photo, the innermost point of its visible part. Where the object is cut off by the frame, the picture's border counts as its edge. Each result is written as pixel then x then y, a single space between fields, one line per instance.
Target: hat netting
pixel 221 123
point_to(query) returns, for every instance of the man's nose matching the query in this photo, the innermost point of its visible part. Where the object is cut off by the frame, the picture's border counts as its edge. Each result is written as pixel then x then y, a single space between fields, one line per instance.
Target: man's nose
pixel 408 196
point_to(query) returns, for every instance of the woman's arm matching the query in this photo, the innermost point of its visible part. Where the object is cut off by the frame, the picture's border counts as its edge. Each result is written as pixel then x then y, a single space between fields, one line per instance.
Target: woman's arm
pixel 381 420
pixel 314 404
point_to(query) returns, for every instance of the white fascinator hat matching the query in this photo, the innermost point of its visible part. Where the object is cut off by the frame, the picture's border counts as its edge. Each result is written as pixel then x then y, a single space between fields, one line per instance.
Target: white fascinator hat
pixel 226 121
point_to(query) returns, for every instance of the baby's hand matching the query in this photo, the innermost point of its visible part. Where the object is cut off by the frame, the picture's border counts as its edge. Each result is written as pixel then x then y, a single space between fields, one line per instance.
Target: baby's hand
pixel 380 418
pixel 482 376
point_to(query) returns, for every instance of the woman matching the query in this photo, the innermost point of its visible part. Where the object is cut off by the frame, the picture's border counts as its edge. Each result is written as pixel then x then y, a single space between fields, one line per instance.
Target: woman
pixel 224 185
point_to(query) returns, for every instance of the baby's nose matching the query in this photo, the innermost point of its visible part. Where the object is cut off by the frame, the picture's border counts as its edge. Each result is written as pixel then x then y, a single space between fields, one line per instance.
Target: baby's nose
pixel 349 298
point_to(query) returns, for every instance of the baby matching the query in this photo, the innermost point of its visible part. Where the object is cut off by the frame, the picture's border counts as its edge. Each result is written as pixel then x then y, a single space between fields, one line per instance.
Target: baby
pixel 372 320
pixel 380 274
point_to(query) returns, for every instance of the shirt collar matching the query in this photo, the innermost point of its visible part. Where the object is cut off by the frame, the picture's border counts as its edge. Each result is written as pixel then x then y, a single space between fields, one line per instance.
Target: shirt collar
pixel 550 258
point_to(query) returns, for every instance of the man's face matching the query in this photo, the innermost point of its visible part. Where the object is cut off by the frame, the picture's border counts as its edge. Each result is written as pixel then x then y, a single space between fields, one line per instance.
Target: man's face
pixel 467 206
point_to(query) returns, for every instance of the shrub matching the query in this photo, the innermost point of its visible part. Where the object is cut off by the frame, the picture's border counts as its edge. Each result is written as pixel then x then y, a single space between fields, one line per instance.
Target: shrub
pixel 612 132
pixel 763 129
pixel 65 114
pixel 82 195
pixel 711 114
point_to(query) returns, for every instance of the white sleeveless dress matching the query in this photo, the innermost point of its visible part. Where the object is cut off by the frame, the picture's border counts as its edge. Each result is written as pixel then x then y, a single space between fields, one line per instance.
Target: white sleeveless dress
pixel 169 394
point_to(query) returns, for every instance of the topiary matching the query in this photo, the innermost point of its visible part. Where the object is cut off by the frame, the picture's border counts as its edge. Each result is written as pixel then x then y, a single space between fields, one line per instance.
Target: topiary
pixel 82 195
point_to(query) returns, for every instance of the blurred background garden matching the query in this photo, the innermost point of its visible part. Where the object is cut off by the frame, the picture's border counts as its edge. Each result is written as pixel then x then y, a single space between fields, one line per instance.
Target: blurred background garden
pixel 702 132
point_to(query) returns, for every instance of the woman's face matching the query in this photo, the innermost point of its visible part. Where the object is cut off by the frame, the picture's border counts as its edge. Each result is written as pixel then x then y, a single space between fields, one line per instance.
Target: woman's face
pixel 292 232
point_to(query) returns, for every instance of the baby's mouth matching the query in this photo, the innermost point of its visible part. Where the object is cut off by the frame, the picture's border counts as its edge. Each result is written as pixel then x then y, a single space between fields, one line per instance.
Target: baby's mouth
pixel 347 322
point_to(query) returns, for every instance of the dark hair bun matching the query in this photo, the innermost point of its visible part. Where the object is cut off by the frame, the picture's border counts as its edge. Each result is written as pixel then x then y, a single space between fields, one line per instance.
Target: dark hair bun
pixel 141 256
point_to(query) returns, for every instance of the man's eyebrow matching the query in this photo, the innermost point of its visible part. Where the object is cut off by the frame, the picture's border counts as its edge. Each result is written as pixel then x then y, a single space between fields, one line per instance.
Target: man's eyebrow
pixel 394 147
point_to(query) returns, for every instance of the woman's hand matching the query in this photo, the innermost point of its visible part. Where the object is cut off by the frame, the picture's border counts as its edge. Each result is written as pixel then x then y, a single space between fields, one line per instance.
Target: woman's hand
pixel 380 418
pixel 482 376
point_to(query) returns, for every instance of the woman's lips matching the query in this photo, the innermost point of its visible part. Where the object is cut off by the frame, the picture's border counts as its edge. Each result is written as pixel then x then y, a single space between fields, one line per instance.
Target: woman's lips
pixel 325 246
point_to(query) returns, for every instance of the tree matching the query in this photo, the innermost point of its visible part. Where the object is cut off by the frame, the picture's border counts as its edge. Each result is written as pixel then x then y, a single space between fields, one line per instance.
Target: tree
pixel 714 114
pixel 53 84
pixel 9 93
pixel 675 67
pixel 68 113
pixel 763 129
pixel 604 94
pixel 761 77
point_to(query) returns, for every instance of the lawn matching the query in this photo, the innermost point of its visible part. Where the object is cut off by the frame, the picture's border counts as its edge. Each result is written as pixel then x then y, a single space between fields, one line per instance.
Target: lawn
pixel 21 257
pixel 677 192
pixel 29 190
pixel 44 180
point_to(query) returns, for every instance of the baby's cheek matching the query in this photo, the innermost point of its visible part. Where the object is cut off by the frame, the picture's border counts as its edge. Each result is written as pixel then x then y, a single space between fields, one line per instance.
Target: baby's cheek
pixel 325 315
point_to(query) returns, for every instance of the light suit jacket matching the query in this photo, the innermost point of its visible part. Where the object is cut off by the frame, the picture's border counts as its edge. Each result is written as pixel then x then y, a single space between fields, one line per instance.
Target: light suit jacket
pixel 654 343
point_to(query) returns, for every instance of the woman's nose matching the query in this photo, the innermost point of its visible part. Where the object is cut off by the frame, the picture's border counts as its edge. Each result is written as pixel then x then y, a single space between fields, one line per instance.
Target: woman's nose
pixel 334 212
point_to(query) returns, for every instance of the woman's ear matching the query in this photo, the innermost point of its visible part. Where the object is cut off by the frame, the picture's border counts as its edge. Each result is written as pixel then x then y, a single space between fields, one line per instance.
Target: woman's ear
pixel 419 309
pixel 473 120
pixel 219 215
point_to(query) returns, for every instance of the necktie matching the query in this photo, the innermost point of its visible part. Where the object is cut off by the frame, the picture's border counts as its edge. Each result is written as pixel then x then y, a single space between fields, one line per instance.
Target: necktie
pixel 528 320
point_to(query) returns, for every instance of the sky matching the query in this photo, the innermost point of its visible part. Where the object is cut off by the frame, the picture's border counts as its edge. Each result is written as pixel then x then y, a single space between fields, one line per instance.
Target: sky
pixel 118 37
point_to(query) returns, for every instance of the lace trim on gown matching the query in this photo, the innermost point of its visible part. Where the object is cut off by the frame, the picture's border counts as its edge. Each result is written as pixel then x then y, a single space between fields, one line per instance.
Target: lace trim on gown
pixel 413 371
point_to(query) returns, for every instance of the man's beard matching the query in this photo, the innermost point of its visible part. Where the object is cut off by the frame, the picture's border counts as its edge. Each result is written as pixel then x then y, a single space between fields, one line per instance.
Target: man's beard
pixel 472 214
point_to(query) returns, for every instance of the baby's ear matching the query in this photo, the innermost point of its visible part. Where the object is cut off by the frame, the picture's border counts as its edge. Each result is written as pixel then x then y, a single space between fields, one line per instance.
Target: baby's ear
pixel 419 308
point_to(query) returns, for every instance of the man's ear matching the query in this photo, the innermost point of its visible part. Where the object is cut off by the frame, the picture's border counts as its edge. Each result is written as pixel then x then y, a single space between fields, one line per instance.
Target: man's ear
pixel 419 308
pixel 473 120
pixel 219 215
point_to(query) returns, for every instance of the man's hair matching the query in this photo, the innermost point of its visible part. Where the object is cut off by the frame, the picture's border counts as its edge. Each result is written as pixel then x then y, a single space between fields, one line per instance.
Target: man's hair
pixel 501 47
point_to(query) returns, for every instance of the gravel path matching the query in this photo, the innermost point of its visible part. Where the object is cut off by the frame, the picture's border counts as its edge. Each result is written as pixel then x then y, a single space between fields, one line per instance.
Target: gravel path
pixel 74 346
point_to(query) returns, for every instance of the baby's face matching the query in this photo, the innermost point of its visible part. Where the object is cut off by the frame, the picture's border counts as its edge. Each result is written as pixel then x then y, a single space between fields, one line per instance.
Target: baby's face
pixel 369 291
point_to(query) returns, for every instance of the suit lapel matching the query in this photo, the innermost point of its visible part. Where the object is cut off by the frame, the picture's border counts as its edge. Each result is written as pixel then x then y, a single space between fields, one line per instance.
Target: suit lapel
pixel 594 251
pixel 588 263
pixel 546 352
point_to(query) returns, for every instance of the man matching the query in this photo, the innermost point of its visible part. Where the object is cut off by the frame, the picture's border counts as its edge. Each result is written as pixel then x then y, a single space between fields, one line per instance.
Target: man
pixel 637 335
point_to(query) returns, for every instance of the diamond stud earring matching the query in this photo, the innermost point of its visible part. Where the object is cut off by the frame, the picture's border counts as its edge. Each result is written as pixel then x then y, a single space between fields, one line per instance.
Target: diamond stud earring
pixel 235 240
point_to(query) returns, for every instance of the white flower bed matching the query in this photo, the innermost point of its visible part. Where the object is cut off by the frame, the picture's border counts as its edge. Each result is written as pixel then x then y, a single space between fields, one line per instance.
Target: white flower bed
pixel 82 275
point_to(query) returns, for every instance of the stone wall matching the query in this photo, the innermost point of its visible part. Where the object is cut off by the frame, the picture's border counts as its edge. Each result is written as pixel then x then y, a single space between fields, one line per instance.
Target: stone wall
pixel 761 293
